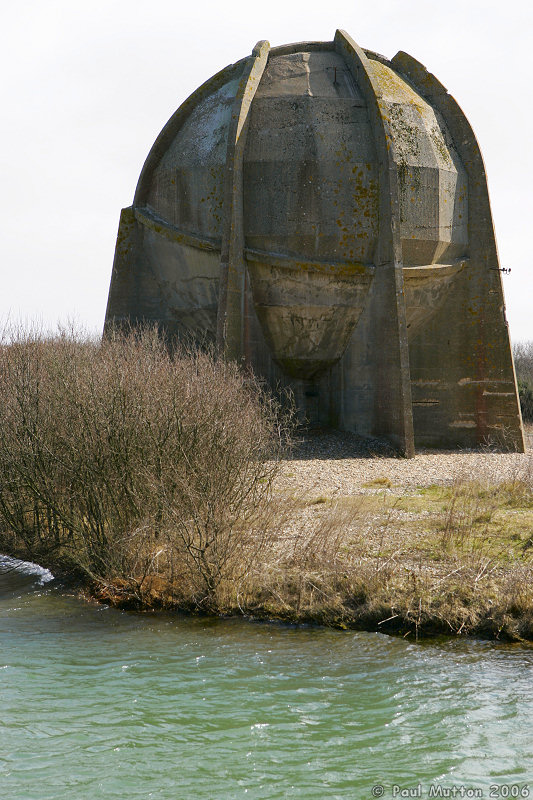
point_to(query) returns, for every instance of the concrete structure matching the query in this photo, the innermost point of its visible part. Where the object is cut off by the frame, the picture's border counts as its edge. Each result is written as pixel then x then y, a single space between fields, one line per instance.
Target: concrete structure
pixel 323 214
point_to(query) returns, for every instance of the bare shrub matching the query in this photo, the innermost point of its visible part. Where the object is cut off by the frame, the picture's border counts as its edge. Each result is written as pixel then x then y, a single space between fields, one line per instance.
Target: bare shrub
pixel 523 360
pixel 128 462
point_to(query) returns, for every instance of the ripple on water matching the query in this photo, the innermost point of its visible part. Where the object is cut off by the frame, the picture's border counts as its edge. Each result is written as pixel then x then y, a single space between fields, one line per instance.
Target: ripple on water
pixel 119 705
pixel 18 577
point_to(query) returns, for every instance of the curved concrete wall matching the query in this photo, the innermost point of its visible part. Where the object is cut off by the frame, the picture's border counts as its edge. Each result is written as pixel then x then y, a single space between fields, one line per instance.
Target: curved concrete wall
pixel 187 185
pixel 464 386
pixel 432 182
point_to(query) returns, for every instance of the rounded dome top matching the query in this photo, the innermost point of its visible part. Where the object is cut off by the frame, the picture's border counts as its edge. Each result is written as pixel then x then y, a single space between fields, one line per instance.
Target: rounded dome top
pixel 311 172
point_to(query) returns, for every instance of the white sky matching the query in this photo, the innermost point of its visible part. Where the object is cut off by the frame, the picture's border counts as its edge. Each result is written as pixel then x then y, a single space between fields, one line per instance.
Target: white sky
pixel 87 86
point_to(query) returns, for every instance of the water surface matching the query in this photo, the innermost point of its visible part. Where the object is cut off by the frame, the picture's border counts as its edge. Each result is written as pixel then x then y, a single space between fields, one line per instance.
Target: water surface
pixel 100 703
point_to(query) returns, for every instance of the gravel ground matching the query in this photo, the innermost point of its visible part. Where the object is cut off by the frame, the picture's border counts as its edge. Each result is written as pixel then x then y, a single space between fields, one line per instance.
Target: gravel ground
pixel 339 464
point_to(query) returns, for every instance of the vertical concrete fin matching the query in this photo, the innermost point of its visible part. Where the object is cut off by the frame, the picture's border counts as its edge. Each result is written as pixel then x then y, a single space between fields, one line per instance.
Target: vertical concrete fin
pixel 484 346
pixel 387 325
pixel 232 266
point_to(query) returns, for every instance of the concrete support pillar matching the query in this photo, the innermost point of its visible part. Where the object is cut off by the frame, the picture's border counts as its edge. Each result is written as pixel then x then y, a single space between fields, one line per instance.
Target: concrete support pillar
pixel 232 292
pixel 385 326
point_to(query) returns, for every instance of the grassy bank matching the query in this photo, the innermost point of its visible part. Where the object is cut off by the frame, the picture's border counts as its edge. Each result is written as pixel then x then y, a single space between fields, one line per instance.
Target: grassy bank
pixel 444 559
pixel 455 560
pixel 153 480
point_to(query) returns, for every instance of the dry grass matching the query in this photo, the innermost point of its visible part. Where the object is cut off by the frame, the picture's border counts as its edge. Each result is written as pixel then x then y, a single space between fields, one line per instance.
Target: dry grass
pixel 455 560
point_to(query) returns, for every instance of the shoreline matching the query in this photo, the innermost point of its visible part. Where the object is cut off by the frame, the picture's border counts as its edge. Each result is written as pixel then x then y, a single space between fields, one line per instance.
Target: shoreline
pixel 391 621
pixel 487 630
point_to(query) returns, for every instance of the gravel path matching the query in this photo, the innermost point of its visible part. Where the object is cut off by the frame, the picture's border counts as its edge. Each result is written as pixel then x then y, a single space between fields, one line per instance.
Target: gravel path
pixel 340 464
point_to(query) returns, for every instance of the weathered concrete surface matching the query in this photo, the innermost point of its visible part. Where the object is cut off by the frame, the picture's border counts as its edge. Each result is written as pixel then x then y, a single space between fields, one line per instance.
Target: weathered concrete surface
pixel 307 308
pixel 322 213
pixel 461 361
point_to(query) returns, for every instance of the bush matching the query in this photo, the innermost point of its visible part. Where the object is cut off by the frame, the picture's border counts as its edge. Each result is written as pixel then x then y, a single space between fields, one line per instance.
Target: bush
pixel 525 393
pixel 126 463
pixel 523 359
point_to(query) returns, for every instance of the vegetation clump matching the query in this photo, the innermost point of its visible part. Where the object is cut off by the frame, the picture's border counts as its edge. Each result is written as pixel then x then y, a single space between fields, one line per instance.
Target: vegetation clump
pixel 455 560
pixel 523 359
pixel 133 466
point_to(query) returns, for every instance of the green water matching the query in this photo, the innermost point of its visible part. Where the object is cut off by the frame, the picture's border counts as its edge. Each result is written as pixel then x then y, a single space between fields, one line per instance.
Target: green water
pixel 96 703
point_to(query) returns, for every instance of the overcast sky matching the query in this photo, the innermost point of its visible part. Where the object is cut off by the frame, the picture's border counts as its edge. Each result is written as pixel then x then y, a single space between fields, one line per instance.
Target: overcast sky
pixel 87 86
